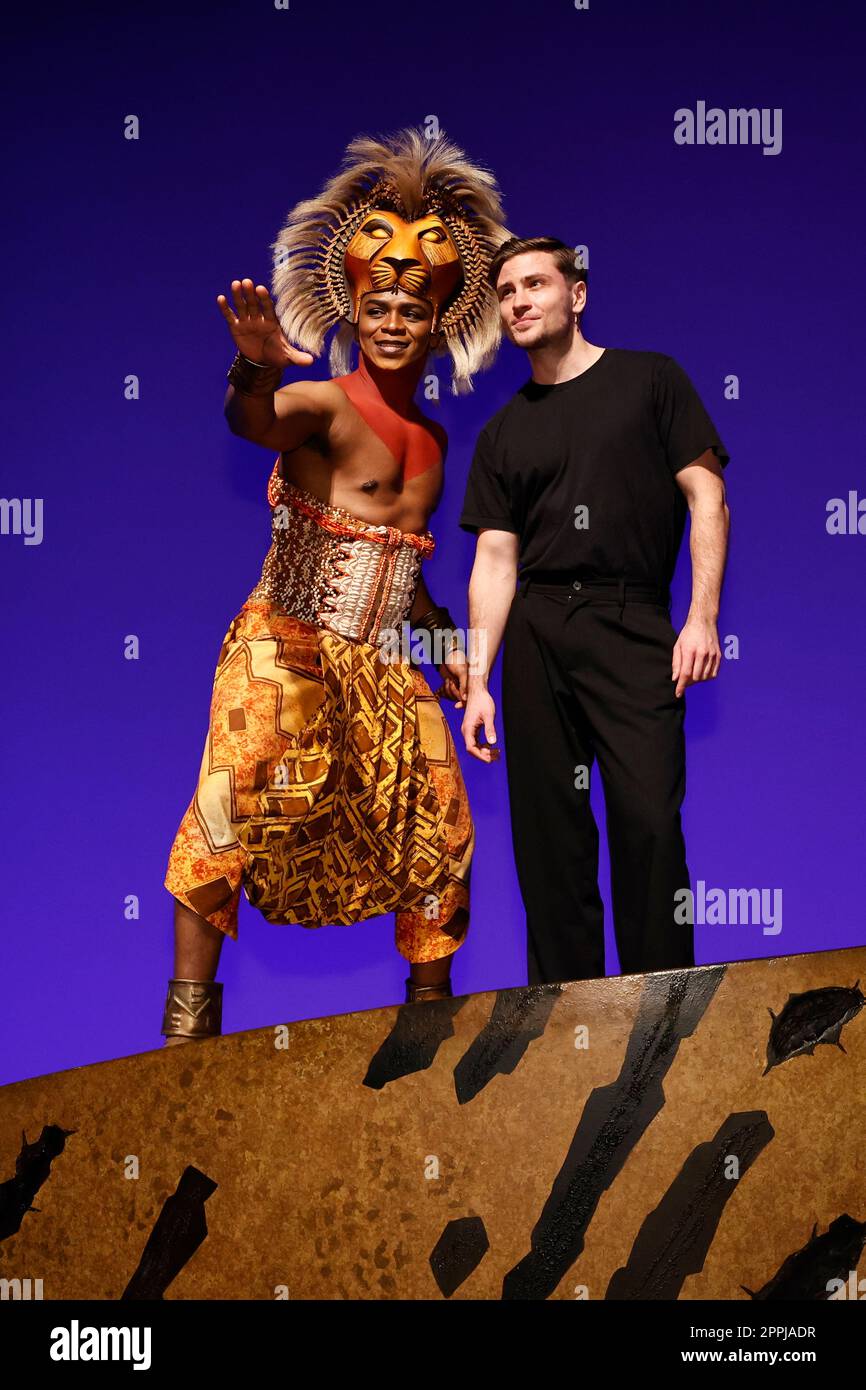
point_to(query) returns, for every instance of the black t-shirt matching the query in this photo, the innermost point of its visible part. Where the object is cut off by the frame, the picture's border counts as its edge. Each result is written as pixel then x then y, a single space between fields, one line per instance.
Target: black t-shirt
pixel 583 471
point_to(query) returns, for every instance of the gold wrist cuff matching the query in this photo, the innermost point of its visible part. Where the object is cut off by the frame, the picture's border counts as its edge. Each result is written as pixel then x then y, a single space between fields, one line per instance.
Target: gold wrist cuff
pixel 193 1009
pixel 438 619
pixel 254 378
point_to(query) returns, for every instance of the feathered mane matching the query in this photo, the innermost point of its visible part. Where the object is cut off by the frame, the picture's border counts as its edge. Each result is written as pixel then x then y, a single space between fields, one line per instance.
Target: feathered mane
pixel 414 176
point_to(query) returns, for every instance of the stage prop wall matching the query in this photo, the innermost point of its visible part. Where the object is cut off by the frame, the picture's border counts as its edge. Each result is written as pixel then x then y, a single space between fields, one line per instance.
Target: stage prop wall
pixel 685 1135
pixel 155 156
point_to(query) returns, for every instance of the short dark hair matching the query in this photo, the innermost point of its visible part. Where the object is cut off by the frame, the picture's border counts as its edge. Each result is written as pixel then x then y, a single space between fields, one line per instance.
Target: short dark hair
pixel 564 258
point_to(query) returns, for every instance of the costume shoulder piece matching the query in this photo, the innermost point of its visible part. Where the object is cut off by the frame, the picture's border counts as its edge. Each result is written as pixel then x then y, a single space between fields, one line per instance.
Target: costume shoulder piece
pixel 406 213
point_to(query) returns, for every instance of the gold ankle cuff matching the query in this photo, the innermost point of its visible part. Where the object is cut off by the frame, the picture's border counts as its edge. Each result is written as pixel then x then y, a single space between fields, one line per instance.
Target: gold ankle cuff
pixel 415 992
pixel 193 1009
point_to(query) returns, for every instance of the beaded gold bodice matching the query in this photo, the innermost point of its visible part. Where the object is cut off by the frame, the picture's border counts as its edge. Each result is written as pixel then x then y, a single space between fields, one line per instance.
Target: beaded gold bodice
pixel 328 567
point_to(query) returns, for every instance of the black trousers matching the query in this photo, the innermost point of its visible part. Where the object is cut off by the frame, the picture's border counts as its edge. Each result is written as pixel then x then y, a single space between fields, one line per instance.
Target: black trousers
pixel 587 676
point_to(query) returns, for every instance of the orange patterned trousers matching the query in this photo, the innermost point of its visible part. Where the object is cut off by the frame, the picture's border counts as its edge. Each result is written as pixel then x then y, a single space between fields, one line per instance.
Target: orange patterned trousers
pixel 329 789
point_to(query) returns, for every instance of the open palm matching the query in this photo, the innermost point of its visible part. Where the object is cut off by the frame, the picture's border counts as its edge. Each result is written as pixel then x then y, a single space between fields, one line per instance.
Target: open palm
pixel 255 327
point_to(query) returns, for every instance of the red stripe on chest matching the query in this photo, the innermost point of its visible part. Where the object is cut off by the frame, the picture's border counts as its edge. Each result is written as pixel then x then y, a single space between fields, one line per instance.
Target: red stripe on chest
pixel 411 444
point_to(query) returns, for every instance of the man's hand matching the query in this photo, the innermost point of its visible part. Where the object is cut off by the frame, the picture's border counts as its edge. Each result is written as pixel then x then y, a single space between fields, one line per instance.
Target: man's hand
pixel 455 678
pixel 480 713
pixel 255 327
pixel 697 655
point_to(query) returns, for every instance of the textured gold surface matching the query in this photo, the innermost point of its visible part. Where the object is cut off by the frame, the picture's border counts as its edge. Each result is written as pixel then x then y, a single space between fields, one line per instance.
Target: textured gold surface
pixel 335 1189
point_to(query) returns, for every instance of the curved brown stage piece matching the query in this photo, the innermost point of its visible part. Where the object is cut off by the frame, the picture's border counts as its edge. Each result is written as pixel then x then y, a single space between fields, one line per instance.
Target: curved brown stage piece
pixel 684 1135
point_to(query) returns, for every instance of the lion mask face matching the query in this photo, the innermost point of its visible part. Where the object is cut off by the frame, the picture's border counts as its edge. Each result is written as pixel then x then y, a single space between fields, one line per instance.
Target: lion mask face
pixel 389 253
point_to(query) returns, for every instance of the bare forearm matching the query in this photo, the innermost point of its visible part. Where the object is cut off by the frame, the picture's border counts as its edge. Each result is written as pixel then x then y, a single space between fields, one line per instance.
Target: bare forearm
pixel 708 545
pixel 491 591
pixel 249 416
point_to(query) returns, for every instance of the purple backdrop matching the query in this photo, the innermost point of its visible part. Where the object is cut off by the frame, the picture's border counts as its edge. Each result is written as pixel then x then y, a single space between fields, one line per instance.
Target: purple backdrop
pixel 736 262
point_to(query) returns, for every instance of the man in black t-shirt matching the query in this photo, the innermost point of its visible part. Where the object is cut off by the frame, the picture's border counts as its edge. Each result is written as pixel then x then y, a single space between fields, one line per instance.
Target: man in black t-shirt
pixel 583 480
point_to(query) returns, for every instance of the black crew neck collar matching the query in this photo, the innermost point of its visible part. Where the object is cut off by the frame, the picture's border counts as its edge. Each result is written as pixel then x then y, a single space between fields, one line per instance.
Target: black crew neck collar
pixel 543 388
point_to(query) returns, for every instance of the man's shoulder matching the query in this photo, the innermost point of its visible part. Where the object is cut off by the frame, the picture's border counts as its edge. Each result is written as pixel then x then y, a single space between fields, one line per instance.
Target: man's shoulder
pixel 492 428
pixel 645 360
pixel 648 370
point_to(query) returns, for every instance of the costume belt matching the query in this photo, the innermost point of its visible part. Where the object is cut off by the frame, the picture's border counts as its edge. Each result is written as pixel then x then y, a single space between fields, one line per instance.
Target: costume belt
pixel 330 568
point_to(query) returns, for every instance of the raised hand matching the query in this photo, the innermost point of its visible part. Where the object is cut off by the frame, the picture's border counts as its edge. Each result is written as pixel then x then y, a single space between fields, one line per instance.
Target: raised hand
pixel 255 327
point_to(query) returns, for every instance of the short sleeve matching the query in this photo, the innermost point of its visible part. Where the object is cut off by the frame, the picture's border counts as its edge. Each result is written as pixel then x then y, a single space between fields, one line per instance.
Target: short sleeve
pixel 685 429
pixel 486 501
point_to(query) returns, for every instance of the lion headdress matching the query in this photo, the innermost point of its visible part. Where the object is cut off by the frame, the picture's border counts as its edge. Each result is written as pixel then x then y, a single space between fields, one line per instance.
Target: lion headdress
pixel 406 213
